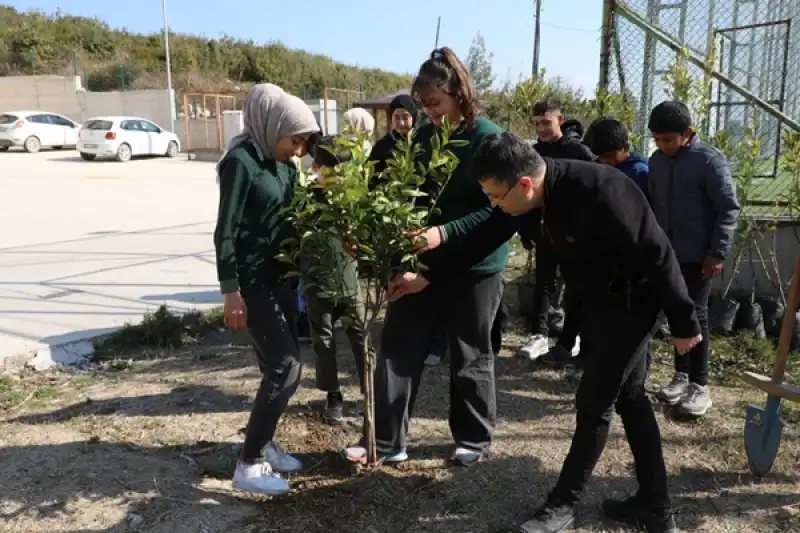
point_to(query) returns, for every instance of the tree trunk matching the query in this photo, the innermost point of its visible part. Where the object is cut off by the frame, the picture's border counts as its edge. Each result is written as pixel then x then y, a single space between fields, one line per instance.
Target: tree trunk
pixel 369 402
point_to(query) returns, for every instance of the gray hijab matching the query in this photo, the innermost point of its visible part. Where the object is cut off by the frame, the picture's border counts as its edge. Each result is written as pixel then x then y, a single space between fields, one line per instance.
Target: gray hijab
pixel 270 113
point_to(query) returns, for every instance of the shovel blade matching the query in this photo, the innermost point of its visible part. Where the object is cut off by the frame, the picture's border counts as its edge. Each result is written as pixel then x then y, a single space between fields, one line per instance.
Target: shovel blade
pixel 762 438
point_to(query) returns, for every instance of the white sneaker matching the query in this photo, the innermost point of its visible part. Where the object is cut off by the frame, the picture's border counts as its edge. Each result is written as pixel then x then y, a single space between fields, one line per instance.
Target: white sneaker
pixel 358 454
pixel 280 460
pixel 697 401
pixel 537 346
pixel 577 348
pixel 259 478
pixel 465 457
pixel 433 360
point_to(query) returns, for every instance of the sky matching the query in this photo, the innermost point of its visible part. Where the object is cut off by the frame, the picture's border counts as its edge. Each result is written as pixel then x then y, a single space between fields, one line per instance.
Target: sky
pixel 397 37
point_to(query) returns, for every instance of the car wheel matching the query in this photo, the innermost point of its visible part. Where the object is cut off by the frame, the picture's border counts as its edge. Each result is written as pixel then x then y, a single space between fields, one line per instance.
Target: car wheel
pixel 172 149
pixel 4 148
pixel 88 157
pixel 124 153
pixel 32 144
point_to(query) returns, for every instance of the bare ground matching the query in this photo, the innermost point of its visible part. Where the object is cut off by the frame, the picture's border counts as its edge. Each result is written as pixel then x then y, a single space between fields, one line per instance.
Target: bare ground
pixel 149 444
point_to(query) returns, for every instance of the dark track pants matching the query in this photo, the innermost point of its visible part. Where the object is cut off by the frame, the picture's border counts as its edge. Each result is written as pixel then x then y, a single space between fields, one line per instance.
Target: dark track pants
pixel 468 309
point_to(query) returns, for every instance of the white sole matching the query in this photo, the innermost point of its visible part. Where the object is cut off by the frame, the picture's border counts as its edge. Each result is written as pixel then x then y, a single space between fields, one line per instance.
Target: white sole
pixel 697 413
pixel 252 490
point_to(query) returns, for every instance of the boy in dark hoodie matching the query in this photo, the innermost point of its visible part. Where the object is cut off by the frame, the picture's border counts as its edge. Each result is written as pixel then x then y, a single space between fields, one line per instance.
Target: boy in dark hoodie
pixel 608 140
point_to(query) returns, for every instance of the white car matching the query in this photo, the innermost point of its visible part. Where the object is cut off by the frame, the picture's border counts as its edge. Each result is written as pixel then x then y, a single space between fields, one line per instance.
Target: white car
pixel 34 130
pixel 125 137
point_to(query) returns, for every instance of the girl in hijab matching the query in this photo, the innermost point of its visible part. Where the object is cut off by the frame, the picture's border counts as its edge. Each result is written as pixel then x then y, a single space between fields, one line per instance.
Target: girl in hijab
pixel 256 180
pixel 361 121
pixel 463 299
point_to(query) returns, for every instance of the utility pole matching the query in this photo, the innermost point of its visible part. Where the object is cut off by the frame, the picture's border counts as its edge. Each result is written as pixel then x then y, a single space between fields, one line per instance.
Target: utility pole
pixel 537 37
pixel 438 27
pixel 171 96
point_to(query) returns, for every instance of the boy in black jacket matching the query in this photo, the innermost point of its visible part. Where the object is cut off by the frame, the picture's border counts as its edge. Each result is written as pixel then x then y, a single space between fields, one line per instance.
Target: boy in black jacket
pixel 607 240
pixel 559 139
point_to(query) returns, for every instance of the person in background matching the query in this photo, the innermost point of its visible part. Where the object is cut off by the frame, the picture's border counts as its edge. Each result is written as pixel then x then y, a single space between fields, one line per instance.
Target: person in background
pixel 605 236
pixel 403 115
pixel 558 139
pixel 608 140
pixel 694 198
pixel 256 182
pixel 359 120
pixel 324 308
pixel 467 302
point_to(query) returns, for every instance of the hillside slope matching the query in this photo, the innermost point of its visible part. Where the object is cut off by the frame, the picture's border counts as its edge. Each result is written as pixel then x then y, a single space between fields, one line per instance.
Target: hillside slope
pixel 111 59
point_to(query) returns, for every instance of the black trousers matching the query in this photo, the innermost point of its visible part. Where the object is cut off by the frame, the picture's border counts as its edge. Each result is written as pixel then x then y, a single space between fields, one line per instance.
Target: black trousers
pixel 573 317
pixel 468 308
pixel 695 363
pixel 614 378
pixel 499 326
pixel 272 322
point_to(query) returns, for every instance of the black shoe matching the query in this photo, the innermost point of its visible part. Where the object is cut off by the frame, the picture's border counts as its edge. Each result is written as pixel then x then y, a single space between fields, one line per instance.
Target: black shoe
pixel 550 518
pixel 334 407
pixel 557 356
pixel 634 513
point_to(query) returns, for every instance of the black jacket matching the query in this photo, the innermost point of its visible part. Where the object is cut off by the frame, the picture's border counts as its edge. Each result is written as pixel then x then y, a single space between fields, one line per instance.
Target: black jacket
pixel 600 229
pixel 569 146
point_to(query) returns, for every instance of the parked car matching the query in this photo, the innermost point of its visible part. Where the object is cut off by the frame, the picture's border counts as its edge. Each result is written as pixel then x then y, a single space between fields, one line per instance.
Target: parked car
pixel 125 137
pixel 34 130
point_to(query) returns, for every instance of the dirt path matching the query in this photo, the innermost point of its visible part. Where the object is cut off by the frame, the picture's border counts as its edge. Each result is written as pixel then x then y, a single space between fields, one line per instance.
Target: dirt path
pixel 149 445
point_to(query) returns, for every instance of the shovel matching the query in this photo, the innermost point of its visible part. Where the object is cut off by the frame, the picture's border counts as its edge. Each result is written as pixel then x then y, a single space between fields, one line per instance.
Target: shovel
pixel 763 427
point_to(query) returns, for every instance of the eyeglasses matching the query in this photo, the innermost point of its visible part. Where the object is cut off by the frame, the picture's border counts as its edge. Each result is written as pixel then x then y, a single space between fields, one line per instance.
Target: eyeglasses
pixel 496 199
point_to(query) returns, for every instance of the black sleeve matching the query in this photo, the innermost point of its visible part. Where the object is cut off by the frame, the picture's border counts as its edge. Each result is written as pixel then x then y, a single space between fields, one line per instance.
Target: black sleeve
pixel 626 221
pixel 581 152
pixel 470 248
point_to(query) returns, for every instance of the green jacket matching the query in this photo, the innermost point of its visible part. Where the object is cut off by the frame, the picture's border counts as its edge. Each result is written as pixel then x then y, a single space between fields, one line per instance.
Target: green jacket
pixel 462 203
pixel 250 225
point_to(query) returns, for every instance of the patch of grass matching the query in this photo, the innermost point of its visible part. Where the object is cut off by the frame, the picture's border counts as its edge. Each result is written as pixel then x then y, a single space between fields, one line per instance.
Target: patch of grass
pixel 10 393
pixel 733 355
pixel 160 329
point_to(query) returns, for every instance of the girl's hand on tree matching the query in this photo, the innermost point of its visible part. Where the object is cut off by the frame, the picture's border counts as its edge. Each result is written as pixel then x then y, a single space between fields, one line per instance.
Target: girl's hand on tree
pixel 426 239
pixel 405 283
pixel 235 311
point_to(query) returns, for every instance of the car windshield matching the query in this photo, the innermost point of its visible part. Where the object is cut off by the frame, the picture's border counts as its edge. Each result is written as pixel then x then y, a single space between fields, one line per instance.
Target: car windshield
pixel 98 125
pixel 8 119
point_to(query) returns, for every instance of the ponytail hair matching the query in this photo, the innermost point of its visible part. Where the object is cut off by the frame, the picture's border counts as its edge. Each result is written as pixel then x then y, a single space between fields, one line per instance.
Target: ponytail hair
pixel 445 71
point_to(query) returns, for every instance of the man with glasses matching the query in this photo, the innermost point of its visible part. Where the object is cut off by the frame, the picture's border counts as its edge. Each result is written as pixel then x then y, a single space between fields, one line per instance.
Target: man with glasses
pixel 606 239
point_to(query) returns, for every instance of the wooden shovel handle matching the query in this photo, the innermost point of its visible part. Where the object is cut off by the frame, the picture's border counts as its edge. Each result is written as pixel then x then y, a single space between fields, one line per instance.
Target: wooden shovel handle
pixel 785 341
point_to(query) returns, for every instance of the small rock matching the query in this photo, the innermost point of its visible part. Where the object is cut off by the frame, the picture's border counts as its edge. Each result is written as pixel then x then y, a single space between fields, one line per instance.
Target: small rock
pixel 788 512
pixel 135 521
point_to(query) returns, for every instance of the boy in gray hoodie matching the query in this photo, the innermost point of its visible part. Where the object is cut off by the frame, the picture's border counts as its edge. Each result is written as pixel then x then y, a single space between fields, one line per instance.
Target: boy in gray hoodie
pixel 694 199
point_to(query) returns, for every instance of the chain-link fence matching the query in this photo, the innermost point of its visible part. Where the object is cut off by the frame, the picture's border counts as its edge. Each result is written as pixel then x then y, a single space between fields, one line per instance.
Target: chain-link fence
pixel 751 46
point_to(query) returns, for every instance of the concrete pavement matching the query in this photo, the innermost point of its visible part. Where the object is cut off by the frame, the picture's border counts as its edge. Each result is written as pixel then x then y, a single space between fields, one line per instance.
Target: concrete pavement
pixel 89 246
